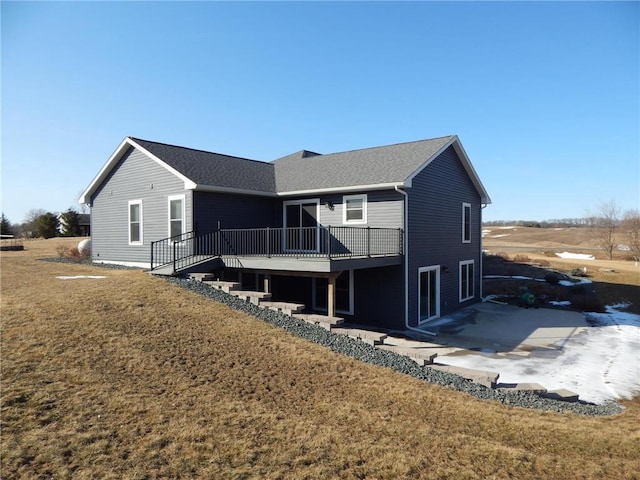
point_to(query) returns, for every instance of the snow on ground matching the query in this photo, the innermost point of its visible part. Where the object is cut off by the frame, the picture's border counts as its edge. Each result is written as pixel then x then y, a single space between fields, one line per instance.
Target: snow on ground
pixel 564 283
pixel 600 364
pixel 75 277
pixel 576 256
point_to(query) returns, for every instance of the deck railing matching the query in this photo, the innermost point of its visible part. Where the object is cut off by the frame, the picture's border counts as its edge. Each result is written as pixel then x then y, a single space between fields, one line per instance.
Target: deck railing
pixel 298 242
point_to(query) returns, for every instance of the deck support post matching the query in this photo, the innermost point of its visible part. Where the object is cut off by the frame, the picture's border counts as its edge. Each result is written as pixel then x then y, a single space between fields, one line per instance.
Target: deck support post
pixel 331 296
pixel 267 283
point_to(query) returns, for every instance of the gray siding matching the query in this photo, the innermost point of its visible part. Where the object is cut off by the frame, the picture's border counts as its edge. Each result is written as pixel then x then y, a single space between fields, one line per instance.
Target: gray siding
pixel 435 230
pixel 234 211
pixel 384 209
pixel 135 177
pixel 379 297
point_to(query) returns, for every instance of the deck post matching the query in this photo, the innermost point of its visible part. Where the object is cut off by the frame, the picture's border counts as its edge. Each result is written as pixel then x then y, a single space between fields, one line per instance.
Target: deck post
pixel 331 296
pixel 267 283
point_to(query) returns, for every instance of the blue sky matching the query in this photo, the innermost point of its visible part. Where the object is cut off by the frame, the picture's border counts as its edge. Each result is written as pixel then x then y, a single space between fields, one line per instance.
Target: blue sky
pixel 545 96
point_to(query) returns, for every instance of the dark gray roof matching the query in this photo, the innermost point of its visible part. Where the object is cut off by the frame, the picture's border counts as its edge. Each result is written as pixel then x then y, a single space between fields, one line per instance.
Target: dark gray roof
pixel 390 164
pixel 214 169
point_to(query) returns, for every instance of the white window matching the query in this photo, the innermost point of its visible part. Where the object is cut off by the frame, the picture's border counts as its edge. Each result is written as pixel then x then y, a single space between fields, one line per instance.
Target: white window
pixel 467 287
pixel 135 222
pixel 343 293
pixel 466 223
pixel 354 209
pixel 176 215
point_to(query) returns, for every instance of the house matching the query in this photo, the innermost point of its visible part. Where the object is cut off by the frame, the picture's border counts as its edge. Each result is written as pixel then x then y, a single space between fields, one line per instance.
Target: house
pixel 386 236
pixel 84 224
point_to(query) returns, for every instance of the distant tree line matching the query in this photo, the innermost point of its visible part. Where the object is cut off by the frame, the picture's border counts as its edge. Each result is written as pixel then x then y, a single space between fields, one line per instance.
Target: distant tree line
pixel 552 223
pixel 39 223
pixel 612 229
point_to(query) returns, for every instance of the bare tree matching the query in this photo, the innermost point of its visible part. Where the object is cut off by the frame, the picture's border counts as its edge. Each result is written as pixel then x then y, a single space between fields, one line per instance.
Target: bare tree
pixel 29 227
pixel 606 221
pixel 631 226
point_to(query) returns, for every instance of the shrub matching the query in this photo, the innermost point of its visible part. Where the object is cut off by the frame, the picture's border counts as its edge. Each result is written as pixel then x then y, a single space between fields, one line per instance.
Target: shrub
pixel 62 250
pixel 551 279
pixel 587 303
pixel 520 258
pixel 544 263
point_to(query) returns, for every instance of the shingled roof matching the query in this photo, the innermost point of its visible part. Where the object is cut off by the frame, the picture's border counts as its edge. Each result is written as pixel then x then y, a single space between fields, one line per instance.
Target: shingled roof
pixel 300 173
pixel 387 165
pixel 214 169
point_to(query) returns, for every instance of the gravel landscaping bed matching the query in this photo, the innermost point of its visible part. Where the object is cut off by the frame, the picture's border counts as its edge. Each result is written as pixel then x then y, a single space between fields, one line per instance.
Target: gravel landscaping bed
pixel 367 353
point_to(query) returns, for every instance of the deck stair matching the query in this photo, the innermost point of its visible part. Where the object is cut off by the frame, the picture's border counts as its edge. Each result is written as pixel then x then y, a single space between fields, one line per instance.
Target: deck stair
pixel 226 287
pixel 324 321
pixel 284 307
pixel 202 277
pixel 482 377
pixel 367 336
pixel 251 296
pixel 422 356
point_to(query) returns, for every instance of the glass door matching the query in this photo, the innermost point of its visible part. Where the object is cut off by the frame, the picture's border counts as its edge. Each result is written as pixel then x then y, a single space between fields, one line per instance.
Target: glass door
pixel 428 293
pixel 301 222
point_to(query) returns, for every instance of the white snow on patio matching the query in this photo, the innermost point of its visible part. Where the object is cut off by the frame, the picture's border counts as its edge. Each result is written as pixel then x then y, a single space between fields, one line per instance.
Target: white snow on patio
pixel 600 364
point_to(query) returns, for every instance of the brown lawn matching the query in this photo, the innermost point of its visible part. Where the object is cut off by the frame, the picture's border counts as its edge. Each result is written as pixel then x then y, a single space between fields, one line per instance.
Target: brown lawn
pixel 130 377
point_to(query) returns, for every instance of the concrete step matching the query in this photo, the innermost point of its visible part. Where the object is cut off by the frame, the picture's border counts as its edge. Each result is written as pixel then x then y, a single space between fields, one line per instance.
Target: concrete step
pixel 523 387
pixel 224 286
pixel 367 336
pixel 422 356
pixel 202 277
pixel 251 296
pixel 561 394
pixel 324 321
pixel 284 307
pixel 482 377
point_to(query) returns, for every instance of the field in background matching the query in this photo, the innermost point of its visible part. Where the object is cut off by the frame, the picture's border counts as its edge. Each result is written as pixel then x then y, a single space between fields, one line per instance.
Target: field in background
pixel 532 252
pixel 132 377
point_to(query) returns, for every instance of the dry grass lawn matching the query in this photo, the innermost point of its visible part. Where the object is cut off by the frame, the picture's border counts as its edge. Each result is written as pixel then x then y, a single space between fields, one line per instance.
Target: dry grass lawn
pixel 130 377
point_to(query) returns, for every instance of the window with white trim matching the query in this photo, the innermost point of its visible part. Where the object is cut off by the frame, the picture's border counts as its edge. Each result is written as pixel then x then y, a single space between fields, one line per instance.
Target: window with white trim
pixel 135 222
pixel 176 215
pixel 354 209
pixel 466 223
pixel 467 287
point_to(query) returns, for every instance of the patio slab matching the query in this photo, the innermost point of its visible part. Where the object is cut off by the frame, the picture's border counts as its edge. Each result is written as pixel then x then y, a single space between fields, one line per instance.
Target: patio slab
pixel 508 330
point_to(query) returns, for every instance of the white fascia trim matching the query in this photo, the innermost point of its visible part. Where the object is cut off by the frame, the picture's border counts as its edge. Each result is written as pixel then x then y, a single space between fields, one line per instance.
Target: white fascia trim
pixel 352 188
pixel 115 158
pixel 124 264
pixel 104 171
pixel 188 183
pixel 466 163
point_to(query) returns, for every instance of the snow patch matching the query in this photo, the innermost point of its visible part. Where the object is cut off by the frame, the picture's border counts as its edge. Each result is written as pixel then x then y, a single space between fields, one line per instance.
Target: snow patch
pixel 600 364
pixel 75 277
pixel 576 256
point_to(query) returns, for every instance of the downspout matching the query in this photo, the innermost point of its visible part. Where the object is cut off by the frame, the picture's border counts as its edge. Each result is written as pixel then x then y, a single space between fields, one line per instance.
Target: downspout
pixel 482 207
pixel 405 243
